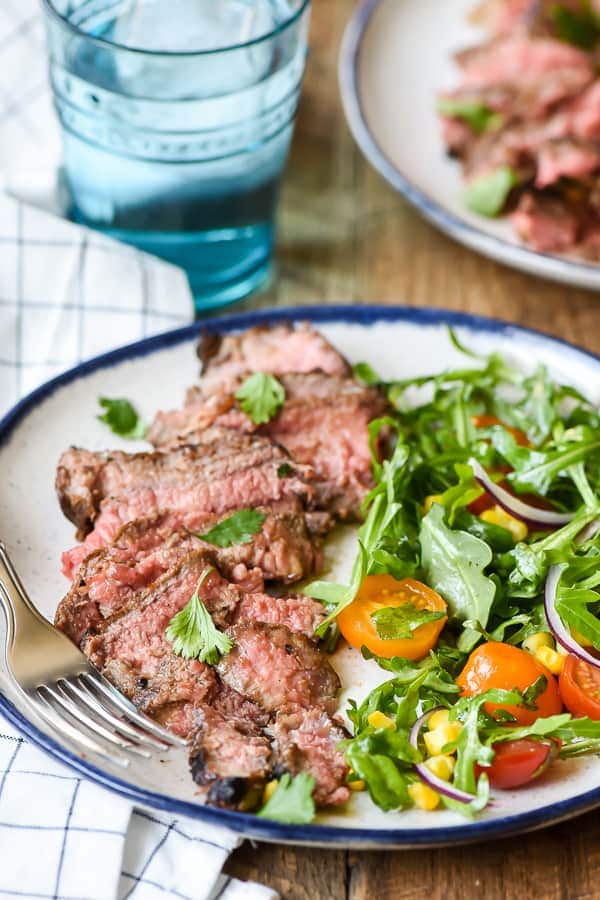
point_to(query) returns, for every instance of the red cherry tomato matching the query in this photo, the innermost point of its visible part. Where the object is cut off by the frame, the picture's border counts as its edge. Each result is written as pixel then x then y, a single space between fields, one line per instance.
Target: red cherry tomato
pixel 497 665
pixel 579 685
pixel 487 422
pixel 516 763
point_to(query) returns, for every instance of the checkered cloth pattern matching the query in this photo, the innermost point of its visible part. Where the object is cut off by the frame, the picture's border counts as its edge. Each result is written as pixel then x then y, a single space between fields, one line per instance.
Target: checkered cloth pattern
pixel 67 293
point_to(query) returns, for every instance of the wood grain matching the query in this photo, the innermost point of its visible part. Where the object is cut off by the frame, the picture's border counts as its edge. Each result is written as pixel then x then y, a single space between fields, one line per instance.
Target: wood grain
pixel 345 236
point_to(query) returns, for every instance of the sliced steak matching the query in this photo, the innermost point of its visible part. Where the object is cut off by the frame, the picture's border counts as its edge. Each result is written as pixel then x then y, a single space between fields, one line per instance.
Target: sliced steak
pixel 121 577
pixel 323 423
pixel 134 653
pixel 224 471
pixel 277 350
pixel 547 222
pixel 276 669
pixel 230 756
pixel 307 741
pixel 567 158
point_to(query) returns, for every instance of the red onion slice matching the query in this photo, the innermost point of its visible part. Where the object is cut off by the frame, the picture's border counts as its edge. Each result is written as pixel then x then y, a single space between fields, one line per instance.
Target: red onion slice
pixel 513 505
pixel 438 784
pixel 558 629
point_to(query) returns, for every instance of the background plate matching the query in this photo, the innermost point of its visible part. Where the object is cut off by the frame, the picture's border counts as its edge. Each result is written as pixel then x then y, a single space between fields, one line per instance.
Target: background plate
pixel 396 56
pixel 154 373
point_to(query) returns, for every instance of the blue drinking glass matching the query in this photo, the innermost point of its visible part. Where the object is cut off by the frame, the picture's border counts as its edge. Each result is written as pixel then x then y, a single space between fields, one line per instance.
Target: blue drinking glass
pixel 176 118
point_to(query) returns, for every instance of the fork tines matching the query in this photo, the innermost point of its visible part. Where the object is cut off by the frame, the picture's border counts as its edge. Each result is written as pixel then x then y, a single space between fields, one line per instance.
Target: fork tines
pixel 87 701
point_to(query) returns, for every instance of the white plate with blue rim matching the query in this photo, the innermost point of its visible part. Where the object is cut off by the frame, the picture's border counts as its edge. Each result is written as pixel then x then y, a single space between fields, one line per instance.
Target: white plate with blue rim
pixel 154 373
pixel 396 57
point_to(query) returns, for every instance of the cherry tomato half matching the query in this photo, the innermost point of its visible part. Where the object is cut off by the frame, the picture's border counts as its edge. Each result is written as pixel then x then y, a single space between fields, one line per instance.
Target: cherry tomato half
pixel 378 591
pixel 487 422
pixel 516 763
pixel 497 665
pixel 579 684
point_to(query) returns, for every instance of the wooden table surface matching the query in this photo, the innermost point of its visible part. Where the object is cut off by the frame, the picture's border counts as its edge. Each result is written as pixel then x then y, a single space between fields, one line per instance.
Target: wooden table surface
pixel 345 236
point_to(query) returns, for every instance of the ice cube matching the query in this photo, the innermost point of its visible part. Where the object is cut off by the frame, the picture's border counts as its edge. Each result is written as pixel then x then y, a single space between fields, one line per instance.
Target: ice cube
pixel 194 25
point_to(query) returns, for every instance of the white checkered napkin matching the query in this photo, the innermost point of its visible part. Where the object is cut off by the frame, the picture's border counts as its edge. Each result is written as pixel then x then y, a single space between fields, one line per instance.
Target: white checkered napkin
pixel 63 838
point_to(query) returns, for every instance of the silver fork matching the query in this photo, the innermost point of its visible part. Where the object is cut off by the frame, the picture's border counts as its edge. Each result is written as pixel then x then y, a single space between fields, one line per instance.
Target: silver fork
pixel 64 688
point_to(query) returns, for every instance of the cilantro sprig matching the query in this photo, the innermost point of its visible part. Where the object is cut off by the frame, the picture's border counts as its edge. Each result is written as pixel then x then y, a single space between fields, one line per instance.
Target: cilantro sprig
pixel 261 396
pixel 194 634
pixel 292 801
pixel 238 528
pixel 400 622
pixel 122 418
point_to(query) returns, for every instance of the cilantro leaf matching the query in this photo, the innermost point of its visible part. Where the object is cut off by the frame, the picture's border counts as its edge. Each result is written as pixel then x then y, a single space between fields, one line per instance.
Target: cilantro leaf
pixel 122 418
pixel 399 622
pixel 477 115
pixel 238 528
pixel 193 632
pixel 261 396
pixel 292 801
pixel 488 194
pixel 365 373
pixel 453 562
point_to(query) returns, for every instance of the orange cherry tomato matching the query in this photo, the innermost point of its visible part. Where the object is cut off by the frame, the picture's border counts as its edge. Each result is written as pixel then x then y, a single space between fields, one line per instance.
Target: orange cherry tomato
pixel 487 422
pixel 497 665
pixel 579 684
pixel 379 591
pixel 518 762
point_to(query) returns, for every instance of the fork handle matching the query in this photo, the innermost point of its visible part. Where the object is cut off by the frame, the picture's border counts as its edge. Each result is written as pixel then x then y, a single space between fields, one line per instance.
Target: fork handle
pixel 13 596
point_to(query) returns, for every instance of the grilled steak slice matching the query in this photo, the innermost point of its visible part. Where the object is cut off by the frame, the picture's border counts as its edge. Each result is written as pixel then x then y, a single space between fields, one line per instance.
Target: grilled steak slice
pixel 230 755
pixel 118 578
pixel 323 423
pixel 134 653
pixel 307 741
pixel 225 470
pixel 277 350
pixel 275 668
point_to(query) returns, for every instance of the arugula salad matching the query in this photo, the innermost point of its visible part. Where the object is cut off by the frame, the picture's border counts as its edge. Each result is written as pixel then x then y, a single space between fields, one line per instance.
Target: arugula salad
pixel 475 587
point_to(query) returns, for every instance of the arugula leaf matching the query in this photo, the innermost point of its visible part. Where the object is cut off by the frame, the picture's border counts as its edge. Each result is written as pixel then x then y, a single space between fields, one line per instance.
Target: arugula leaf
pixel 487 195
pixel 193 632
pixel 238 528
pixel 477 115
pixel 399 622
pixel 292 801
pixel 122 418
pixel 387 785
pixel 261 396
pixel 580 28
pixel 535 470
pixel 284 470
pixel 453 562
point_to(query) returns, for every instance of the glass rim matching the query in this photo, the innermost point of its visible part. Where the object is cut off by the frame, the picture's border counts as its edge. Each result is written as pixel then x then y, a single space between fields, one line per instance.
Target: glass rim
pixel 78 32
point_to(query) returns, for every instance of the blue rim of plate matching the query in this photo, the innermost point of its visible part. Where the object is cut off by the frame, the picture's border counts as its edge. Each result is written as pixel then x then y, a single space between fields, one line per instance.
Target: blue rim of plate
pixel 507 252
pixel 244 823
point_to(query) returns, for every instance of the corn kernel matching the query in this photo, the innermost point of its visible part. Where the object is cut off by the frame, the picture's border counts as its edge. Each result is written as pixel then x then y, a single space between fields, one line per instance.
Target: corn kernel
pixel 437 718
pixel 436 740
pixel 441 766
pixel 430 500
pixel 551 659
pixel 269 789
pixel 579 637
pixel 498 516
pixel 380 720
pixel 357 785
pixel 423 796
pixel 536 641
